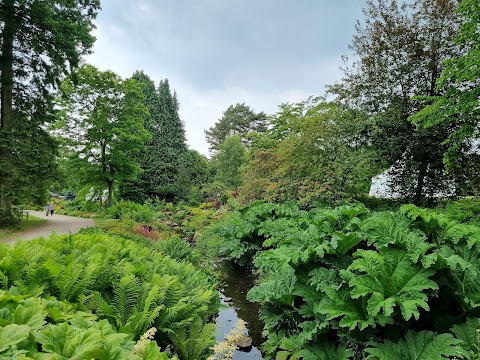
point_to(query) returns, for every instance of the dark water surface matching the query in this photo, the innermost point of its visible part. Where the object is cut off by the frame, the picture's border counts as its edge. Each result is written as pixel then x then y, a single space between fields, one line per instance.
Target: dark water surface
pixel 236 281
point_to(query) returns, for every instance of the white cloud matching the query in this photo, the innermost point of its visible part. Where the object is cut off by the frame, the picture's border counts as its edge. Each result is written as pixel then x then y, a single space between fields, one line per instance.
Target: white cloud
pixel 216 53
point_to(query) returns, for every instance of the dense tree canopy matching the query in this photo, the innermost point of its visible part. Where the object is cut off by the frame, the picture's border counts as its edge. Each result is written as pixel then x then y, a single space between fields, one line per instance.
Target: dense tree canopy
pixel 40 41
pixel 400 48
pixel 314 150
pixel 459 105
pixel 164 155
pixel 236 120
pixel 102 122
pixel 229 160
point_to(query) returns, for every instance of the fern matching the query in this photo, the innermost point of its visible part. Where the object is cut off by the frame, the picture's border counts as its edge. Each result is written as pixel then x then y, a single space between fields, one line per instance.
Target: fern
pixel 125 298
pixel 194 341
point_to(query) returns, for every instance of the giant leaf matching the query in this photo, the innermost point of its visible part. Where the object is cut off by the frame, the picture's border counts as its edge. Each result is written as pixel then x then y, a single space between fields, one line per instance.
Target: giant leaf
pixel 424 345
pixel 388 279
pixel 326 350
pixel 13 334
pixel 468 333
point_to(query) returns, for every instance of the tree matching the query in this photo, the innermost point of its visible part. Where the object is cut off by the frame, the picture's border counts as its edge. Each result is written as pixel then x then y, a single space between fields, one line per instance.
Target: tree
pixel 236 120
pixel 168 146
pixel 102 122
pixel 459 104
pixel 400 50
pixel 139 189
pixel 314 150
pixel 165 152
pixel 228 162
pixel 40 41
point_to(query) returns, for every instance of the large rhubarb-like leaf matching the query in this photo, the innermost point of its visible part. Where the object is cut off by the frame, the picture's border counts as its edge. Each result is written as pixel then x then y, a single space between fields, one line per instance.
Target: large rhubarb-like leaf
pixel 424 345
pixel 388 279
pixel 468 333
pixel 13 334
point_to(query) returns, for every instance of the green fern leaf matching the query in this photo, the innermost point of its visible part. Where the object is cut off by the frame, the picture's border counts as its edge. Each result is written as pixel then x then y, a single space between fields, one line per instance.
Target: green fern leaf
pixel 125 298
pixel 424 345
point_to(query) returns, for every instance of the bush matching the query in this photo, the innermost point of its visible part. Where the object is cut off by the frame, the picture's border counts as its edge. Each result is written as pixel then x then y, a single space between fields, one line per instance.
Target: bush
pixel 350 283
pixel 129 284
pixel 127 209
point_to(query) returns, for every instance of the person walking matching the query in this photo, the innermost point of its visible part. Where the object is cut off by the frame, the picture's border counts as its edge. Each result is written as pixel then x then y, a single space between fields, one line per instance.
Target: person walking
pixel 47 209
pixel 51 208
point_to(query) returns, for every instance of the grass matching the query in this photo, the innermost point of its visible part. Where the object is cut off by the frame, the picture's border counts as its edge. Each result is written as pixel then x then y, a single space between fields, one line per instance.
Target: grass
pixel 25 225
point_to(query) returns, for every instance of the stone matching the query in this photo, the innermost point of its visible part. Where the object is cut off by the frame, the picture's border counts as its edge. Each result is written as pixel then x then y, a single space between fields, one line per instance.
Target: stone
pixel 244 342
pixel 227 299
pixel 196 236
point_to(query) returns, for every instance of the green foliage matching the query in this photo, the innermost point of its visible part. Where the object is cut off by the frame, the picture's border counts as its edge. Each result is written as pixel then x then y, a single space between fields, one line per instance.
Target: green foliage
pixel 314 151
pixel 399 49
pixel 28 324
pixel 348 282
pixel 458 105
pixel 195 341
pixel 130 210
pixel 238 120
pixel 229 160
pixel 36 55
pixel 131 286
pixel 424 345
pixel 102 126
pixel 168 168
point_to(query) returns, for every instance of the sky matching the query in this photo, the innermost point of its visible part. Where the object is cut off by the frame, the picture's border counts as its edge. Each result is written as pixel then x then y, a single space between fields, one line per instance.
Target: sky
pixel 216 53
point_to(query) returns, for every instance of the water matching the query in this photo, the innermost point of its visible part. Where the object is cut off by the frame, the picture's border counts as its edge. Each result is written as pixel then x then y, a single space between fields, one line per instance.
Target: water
pixel 236 282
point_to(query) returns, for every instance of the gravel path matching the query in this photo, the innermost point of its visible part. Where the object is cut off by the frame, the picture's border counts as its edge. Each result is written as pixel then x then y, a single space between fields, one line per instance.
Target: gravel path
pixel 60 224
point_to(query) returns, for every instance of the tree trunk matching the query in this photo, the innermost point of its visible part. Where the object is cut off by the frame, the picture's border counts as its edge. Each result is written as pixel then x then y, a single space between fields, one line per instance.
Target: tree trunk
pixel 6 113
pixel 110 193
pixel 420 184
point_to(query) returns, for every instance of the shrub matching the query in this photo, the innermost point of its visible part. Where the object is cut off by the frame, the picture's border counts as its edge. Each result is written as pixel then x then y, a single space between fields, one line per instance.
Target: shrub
pixel 349 283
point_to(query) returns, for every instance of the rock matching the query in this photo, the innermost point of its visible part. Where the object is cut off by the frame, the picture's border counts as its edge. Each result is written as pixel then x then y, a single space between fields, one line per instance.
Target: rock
pixel 196 236
pixel 227 299
pixel 244 342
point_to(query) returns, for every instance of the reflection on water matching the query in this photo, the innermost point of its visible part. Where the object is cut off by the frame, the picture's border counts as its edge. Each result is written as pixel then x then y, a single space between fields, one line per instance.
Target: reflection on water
pixel 236 281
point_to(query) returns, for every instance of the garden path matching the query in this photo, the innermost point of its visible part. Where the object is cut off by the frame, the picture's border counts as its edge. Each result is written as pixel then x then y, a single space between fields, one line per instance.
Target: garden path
pixel 60 224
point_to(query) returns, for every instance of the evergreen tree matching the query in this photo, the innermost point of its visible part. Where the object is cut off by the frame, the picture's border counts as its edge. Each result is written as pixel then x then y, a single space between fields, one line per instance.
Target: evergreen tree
pixel 138 190
pixel 236 120
pixel 169 146
pixel 40 41
pixel 163 156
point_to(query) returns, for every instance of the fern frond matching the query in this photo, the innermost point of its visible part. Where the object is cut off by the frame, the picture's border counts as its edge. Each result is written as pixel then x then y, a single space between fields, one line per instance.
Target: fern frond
pixel 125 298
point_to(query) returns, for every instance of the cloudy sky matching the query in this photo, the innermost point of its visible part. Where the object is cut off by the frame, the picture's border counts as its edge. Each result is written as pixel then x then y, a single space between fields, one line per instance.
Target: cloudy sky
pixel 217 53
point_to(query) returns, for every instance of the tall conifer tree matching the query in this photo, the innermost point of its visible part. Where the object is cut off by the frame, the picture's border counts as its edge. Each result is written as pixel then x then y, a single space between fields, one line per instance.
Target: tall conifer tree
pixel 162 157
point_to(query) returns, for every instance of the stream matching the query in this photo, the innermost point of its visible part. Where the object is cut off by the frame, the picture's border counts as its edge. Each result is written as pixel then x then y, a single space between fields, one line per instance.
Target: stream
pixel 235 282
